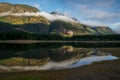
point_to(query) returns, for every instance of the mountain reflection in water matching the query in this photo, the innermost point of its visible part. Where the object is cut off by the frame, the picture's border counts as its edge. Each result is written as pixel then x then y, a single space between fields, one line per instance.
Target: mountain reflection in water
pixel 49 58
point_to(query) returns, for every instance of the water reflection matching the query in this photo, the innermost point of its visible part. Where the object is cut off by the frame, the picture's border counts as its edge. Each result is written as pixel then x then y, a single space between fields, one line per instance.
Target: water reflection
pixel 39 58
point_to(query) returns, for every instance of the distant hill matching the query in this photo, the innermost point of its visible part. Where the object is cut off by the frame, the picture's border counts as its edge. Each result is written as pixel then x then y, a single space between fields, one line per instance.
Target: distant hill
pixel 41 25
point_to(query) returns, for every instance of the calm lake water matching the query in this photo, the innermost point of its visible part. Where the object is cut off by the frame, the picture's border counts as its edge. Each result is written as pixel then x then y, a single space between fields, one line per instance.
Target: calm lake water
pixel 22 57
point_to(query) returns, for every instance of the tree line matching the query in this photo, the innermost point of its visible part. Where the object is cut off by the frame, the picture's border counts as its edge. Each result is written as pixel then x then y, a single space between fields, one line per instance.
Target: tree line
pixel 14 35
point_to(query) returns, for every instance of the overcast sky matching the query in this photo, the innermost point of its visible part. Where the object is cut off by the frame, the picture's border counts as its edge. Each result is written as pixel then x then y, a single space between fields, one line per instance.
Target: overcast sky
pixel 93 12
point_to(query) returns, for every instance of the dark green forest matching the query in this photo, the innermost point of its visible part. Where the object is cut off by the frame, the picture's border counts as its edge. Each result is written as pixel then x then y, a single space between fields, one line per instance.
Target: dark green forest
pixel 15 35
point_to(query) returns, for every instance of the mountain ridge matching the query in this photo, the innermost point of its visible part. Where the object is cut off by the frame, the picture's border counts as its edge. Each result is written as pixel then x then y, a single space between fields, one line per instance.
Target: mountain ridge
pixel 41 25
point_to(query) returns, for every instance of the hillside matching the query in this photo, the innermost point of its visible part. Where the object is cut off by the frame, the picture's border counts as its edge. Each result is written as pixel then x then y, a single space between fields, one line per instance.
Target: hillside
pixel 18 20
pixel 41 25
pixel 16 8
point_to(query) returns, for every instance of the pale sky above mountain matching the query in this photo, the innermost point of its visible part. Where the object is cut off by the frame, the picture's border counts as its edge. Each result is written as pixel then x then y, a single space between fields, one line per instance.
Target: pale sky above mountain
pixel 93 12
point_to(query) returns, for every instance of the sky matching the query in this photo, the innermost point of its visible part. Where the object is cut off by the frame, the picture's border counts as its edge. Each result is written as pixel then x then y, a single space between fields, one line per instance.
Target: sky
pixel 91 12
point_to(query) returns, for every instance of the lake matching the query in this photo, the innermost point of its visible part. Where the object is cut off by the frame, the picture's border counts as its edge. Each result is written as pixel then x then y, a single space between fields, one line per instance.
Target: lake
pixel 27 57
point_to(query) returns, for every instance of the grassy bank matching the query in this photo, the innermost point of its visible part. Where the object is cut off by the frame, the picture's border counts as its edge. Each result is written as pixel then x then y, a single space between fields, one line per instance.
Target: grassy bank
pixel 107 70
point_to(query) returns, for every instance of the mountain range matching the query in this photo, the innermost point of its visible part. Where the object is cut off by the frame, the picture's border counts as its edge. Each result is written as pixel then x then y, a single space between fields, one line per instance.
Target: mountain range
pixel 30 19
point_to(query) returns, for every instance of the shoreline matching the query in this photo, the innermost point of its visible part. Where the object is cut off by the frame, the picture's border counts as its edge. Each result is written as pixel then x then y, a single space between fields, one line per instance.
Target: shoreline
pixel 53 41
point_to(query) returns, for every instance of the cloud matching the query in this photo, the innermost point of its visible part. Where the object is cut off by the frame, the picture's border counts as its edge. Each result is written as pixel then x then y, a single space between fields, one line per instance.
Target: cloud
pixel 95 14
pixel 116 27
pixel 116 24
pixel 93 23
pixel 43 14
pixel 37 6
pixel 92 3
pixel 90 14
pixel 95 11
